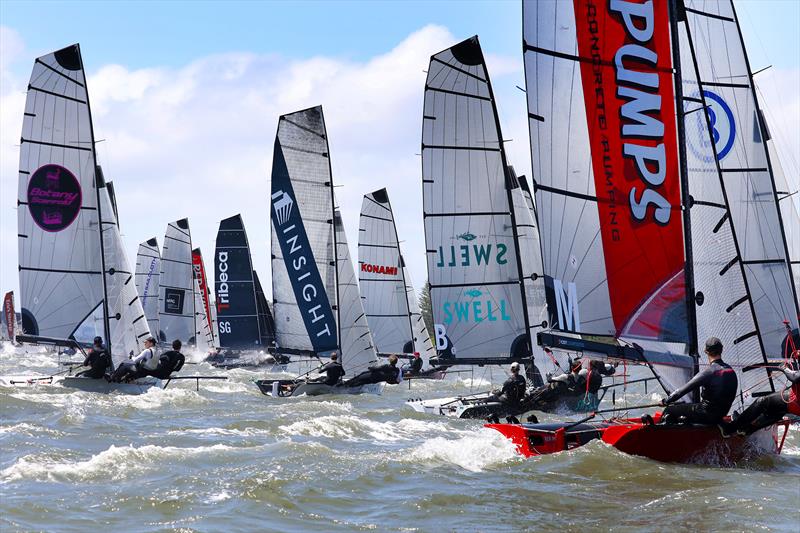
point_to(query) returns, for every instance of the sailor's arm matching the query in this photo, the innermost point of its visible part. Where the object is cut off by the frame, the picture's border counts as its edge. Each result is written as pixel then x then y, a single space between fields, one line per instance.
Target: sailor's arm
pixel 792 375
pixel 608 369
pixel 698 381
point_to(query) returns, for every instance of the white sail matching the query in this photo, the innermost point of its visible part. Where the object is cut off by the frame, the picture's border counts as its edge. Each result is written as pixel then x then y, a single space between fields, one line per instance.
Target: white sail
pixel 176 285
pixel 128 326
pixel 473 260
pixel 60 254
pixel 740 135
pixel 357 348
pixel 148 272
pixel 389 298
pixel 304 286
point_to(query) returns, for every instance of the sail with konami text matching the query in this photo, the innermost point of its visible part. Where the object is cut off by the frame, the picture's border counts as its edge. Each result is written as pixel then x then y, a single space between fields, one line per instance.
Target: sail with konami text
pixel 389 297
pixel 176 284
pixel 148 272
pixel 477 293
pixel 304 271
pixel 236 306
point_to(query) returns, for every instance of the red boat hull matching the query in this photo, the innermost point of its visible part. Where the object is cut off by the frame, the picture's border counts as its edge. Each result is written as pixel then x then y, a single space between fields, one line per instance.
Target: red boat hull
pixel 666 443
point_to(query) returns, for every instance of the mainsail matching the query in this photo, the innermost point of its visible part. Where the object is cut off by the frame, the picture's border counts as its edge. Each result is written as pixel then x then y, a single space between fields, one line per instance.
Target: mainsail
pixel 148 271
pixel 176 284
pixel 725 87
pixel 237 309
pixel 389 297
pixel 474 266
pixel 60 246
pixel 316 303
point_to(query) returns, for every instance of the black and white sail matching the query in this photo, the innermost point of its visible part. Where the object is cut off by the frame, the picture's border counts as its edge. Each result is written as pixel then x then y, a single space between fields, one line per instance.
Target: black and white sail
pixel 389 298
pixel 266 324
pixel 237 308
pixel 75 279
pixel 148 272
pixel 478 290
pixel 315 298
pixel 177 285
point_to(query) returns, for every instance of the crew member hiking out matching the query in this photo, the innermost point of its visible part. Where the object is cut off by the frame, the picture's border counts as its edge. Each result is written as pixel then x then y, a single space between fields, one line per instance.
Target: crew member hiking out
pixel 98 360
pixel 140 366
pixel 719 383
pixel 333 371
pixel 513 390
pixel 767 410
pixel 169 362
pixel 388 373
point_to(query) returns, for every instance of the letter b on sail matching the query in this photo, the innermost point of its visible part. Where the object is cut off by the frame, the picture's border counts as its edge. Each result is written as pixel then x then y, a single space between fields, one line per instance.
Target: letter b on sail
pixel 567 306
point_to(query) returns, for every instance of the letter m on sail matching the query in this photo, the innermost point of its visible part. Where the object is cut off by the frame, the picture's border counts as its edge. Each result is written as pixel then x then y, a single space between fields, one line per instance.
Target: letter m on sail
pixel 567 306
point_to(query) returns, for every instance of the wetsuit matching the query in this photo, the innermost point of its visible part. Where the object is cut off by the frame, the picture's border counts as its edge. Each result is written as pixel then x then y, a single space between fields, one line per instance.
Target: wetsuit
pixel 334 371
pixel 767 410
pixel 719 384
pixel 169 362
pixel 141 366
pixel 415 366
pixel 513 390
pixel 376 374
pixel 98 361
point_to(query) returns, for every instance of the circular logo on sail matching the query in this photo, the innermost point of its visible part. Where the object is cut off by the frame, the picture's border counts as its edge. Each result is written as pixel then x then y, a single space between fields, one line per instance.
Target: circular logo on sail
pixel 54 197
pixel 723 126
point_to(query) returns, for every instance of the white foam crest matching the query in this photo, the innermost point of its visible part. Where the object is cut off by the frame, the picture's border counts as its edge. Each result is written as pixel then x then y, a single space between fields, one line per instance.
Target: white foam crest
pixel 221 432
pixel 29 429
pixel 474 451
pixel 353 428
pixel 156 398
pixel 112 464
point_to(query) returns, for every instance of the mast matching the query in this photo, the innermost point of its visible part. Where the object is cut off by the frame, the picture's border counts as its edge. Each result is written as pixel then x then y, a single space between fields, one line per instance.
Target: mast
pixel 335 247
pixel 674 16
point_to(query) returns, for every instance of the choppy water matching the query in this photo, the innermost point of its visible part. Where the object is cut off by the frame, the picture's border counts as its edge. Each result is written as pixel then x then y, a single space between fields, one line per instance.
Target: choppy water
pixel 228 458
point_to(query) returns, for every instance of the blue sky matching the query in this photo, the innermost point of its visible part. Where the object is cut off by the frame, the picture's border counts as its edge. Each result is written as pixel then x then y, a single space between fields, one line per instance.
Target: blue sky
pixel 189 93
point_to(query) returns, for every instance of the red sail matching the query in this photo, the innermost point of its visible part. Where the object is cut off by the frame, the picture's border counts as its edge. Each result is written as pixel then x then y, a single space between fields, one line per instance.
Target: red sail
pixel 8 314
pixel 200 275
pixel 626 72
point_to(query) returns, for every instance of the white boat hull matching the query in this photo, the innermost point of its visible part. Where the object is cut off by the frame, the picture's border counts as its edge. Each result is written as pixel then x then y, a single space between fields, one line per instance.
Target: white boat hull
pixel 274 388
pixel 139 386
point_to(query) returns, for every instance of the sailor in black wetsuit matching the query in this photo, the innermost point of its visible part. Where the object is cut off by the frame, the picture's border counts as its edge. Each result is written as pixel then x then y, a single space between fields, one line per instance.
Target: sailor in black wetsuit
pixel 513 390
pixel 98 359
pixel 388 373
pixel 169 362
pixel 719 384
pixel 333 372
pixel 414 367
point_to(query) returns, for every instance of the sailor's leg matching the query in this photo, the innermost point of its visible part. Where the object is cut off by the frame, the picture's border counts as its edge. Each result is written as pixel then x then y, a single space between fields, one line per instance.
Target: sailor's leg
pixel 673 413
pixel 772 408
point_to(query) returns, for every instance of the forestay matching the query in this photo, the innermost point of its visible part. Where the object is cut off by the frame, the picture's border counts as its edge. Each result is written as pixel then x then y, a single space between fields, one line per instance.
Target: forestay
pixel 304 286
pixel 148 272
pixel 176 284
pixel 389 297
pixel 474 269
pixel 237 312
